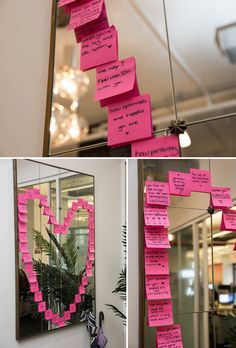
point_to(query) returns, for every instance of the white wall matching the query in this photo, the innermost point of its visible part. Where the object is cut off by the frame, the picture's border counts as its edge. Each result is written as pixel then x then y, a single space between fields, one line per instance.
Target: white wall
pixel 109 210
pixel 24 37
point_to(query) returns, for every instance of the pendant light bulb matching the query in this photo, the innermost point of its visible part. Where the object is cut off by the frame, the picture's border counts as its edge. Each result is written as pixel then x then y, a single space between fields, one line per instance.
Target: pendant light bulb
pixel 184 140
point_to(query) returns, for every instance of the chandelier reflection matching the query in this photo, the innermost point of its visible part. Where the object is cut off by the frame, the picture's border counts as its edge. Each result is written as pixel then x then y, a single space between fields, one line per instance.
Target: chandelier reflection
pixel 71 84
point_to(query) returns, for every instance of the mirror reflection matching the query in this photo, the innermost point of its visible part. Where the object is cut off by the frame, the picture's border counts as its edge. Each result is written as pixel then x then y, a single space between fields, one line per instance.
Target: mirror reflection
pixel 59 260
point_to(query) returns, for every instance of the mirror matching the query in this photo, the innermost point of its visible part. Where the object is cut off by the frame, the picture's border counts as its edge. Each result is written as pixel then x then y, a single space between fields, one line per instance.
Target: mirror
pixel 55 251
pixel 203 76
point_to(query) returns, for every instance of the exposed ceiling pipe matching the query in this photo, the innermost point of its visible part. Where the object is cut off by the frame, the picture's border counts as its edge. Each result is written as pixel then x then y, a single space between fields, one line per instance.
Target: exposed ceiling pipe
pixel 179 61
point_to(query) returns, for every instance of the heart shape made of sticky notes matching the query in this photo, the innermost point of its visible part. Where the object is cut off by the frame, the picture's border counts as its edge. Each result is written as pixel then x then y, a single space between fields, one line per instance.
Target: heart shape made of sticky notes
pixel 34 194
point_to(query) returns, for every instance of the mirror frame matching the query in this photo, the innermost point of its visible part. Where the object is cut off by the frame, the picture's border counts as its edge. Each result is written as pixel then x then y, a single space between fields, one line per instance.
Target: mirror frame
pixel 17 303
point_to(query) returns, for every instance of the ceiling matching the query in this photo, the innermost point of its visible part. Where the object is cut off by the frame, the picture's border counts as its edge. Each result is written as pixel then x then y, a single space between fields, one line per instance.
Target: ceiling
pixel 205 81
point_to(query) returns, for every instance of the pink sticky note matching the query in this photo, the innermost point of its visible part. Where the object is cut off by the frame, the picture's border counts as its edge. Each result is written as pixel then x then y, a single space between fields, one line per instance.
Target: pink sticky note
pixel 156 217
pixel 61 323
pixel 179 183
pixel 41 307
pixel 91 210
pixel 92 27
pixel 84 281
pixel 22 227
pixel 156 262
pixel 160 313
pixel 72 308
pixel 22 218
pixel 48 314
pixel 158 287
pixel 22 198
pixel 85 11
pixel 116 81
pixel 30 193
pixel 91 256
pixel 200 180
pixel 23 247
pixel 82 290
pixel 38 296
pixel 99 48
pixel 22 237
pixel 167 146
pixel 89 272
pixel 89 264
pixel 67 315
pixel 77 298
pixel 169 337
pixel 156 237
pixel 221 197
pixel 65 2
pixel 55 318
pixel 26 257
pixel 28 267
pixel 32 278
pixel 129 120
pixel 157 193
pixel 44 201
pixel 228 222
pixel 34 287
pixel 66 222
pixel 52 220
pixel 22 208
pixel 70 214
pixel 75 206
pixel 57 229
pixel 47 211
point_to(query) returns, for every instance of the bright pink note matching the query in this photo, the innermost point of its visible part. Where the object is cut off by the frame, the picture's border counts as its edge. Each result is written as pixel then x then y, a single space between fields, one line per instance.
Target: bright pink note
pixel 77 298
pixel 169 337
pixel 156 217
pixel 38 296
pixel 160 313
pixel 22 208
pixel 72 308
pixel 156 237
pixel 85 11
pixel 158 287
pixel 67 315
pixel 116 81
pixel 34 287
pixel 179 183
pixel 92 27
pixel 157 193
pixel 156 262
pixel 221 197
pixel 22 198
pixel 167 146
pixel 48 314
pixel 65 2
pixel 228 222
pixel 129 120
pixel 200 180
pixel 41 307
pixel 99 48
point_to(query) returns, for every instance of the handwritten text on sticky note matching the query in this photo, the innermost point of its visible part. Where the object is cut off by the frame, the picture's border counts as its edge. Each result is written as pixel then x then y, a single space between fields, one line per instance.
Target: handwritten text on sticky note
pixel 221 197
pixel 160 313
pixel 85 11
pixel 200 180
pixel 156 237
pixel 169 337
pixel 167 146
pixel 156 262
pixel 157 193
pixel 156 216
pixel 129 120
pixel 157 287
pixel 228 222
pixel 179 183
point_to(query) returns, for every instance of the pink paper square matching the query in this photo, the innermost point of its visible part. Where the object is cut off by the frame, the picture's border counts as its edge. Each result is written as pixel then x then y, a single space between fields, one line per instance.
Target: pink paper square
pixel 47 211
pixel 72 308
pixel 30 194
pixel 22 198
pixel 48 314
pixel 129 120
pixel 70 214
pixel 67 315
pixel 22 227
pixel 157 193
pixel 57 229
pixel 23 237
pixel 41 307
pixel 61 324
pixel 65 2
pixel 169 337
pixel 26 257
pixel 200 180
pixel 156 237
pixel 99 48
pixel 179 183
pixel 34 287
pixel 28 267
pixel 82 290
pixel 228 222
pixel 75 206
pixel 22 208
pixel 167 146
pixel 77 298
pixel 92 27
pixel 156 217
pixel 158 287
pixel 84 281
pixel 156 262
pixel 116 79
pixel 221 197
pixel 85 11
pixel 52 220
pixel 89 272
pixel 160 313
pixel 23 246
pixel 38 296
